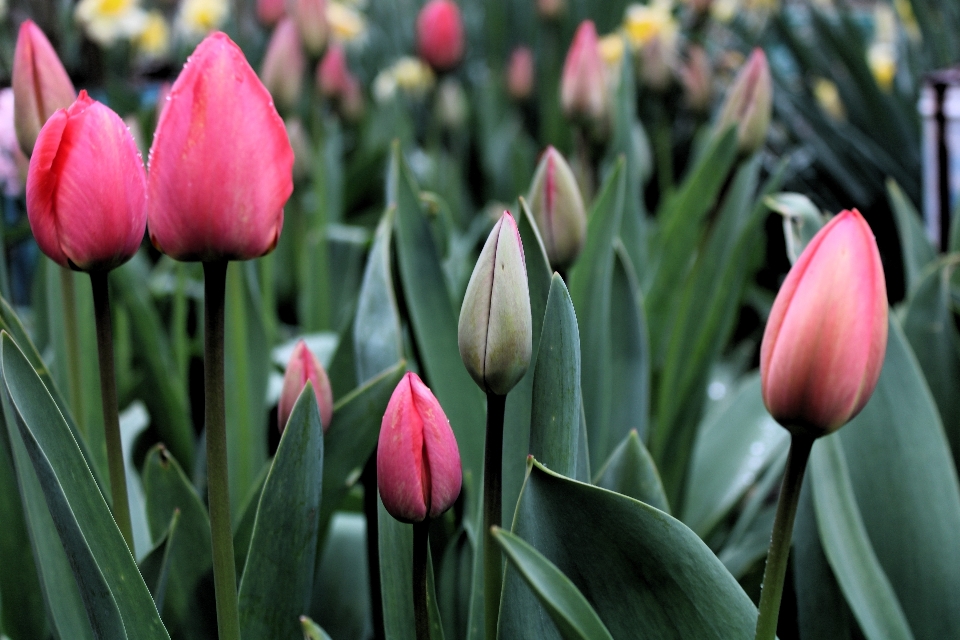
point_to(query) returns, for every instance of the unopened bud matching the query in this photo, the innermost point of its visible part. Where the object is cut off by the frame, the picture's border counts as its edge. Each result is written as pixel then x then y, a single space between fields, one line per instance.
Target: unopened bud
pixel 520 74
pixel 749 103
pixel 558 209
pixel 583 90
pixel 303 367
pixel 284 64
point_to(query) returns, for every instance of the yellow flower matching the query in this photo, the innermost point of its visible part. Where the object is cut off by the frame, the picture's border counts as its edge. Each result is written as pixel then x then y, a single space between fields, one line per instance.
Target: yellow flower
pixel 408 74
pixel 724 10
pixel 611 49
pixel 197 18
pixel 882 59
pixel 106 21
pixel 643 23
pixel 347 23
pixel 828 97
pixel 154 40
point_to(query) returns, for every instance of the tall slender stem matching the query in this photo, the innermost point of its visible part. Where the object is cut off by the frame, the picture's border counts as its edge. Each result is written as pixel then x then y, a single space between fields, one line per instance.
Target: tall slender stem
pixel 492 480
pixel 224 572
pixel 370 510
pixel 72 336
pixel 779 553
pixel 108 395
pixel 422 618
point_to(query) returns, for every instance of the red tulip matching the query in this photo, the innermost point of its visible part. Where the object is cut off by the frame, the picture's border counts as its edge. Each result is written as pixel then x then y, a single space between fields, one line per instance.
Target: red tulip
pixel 304 366
pixel 583 91
pixel 86 188
pixel 40 84
pixel 418 462
pixel 269 12
pixel 221 166
pixel 520 73
pixel 284 64
pixel 824 344
pixel 440 39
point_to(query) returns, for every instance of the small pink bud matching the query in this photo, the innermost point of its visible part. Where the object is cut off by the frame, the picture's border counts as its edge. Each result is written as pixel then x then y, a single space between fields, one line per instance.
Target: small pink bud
pixel 551 9
pixel 311 18
pixel 221 166
pixel 583 89
pixel 696 78
pixel 86 188
pixel 749 103
pixel 826 337
pixel 40 84
pixel 558 209
pixel 332 72
pixel 284 64
pixel 269 12
pixel 418 462
pixel 440 40
pixel 304 366
pixel 520 73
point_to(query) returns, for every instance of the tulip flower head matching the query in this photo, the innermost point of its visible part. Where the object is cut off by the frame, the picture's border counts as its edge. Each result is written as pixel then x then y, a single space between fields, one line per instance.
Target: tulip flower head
pixel 440 39
pixel 495 332
pixel 304 367
pixel 826 337
pixel 333 76
pixel 269 12
pixel 311 18
pixel 749 103
pixel 86 188
pixel 221 166
pixel 284 64
pixel 40 84
pixel 418 462
pixel 583 90
pixel 558 209
pixel 520 73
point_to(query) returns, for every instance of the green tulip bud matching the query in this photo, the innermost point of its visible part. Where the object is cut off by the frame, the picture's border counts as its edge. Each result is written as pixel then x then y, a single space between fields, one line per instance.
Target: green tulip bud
pixel 749 103
pixel 495 334
pixel 558 209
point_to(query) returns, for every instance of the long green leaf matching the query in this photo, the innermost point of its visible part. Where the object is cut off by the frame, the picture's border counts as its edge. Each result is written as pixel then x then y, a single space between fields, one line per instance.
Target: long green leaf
pixel 630 355
pixel 341 592
pixel 914 245
pixel 630 471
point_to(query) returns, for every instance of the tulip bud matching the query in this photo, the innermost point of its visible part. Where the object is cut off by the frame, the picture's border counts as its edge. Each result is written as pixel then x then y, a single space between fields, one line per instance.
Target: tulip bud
pixel 551 9
pixel 352 105
pixel 520 74
pixel 826 337
pixel 311 18
pixel 40 84
pixel 303 367
pixel 495 333
pixel 583 91
pixel 332 72
pixel 284 64
pixel 418 462
pixel 221 164
pixel 86 188
pixel 695 76
pixel 749 103
pixel 269 12
pixel 558 209
pixel 302 149
pixel 440 40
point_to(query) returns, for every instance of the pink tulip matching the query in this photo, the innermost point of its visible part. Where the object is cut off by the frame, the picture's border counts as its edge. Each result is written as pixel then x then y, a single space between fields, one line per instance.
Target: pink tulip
pixel 583 91
pixel 269 12
pixel 221 166
pixel 749 103
pixel 40 84
pixel 284 64
pixel 520 73
pixel 86 188
pixel 333 76
pixel 311 18
pixel 440 39
pixel 418 462
pixel 304 366
pixel 824 344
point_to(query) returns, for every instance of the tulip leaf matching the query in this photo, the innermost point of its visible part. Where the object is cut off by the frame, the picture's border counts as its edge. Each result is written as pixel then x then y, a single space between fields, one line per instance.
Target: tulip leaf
pixel 277 581
pixel 801 220
pixel 434 322
pixel 917 251
pixel 591 283
pixel 114 594
pixel 155 565
pixel 573 616
pixel 848 548
pixel 246 367
pixel 168 490
pixel 613 549
pixel 312 631
pixel 243 529
pixel 341 593
pixel 555 412
pixel 906 487
pixel 630 471
pixel 630 355
pixel 734 445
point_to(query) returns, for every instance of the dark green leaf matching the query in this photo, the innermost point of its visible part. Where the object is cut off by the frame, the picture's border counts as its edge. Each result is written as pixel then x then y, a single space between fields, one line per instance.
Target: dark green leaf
pixel 916 248
pixel 801 220
pixel 630 471
pixel 630 355
pixel 342 587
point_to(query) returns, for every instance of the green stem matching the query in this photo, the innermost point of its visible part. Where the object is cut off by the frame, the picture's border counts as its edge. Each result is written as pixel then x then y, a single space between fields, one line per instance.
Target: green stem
pixel 72 336
pixel 420 531
pixel 663 152
pixel 369 480
pixel 111 416
pixel 492 463
pixel 779 553
pixel 224 572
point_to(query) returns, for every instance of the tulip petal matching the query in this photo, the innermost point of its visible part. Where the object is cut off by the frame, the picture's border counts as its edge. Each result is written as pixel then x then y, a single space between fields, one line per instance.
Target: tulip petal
pixel 400 456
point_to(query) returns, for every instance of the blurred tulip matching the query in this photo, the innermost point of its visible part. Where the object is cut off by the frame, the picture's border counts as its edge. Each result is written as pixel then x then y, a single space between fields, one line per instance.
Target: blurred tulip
pixel 826 337
pixel 284 65
pixel 303 367
pixel 695 75
pixel 311 18
pixel 418 462
pixel 749 103
pixel 558 209
pixel 332 72
pixel 551 9
pixel 440 39
pixel 352 104
pixel 220 164
pixel 582 86
pixel 452 105
pixel 495 332
pixel 520 74
pixel 86 188
pixel 40 84
pixel 269 12
pixel 12 161
pixel 302 149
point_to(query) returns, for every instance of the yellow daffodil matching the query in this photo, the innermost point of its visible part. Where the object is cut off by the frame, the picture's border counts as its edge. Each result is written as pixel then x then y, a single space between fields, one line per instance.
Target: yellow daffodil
pixel 408 74
pixel 106 21
pixel 197 18
pixel 882 59
pixel 154 40
pixel 347 23
pixel 611 49
pixel 828 97
pixel 643 22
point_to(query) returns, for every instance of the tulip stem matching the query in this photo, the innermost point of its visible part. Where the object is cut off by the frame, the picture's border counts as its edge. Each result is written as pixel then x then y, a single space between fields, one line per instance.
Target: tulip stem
pixel 779 553
pixel 108 396
pixel 492 480
pixel 224 571
pixel 71 334
pixel 420 532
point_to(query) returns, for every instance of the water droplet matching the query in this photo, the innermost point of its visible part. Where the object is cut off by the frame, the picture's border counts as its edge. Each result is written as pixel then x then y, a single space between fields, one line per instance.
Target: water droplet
pixel 717 390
